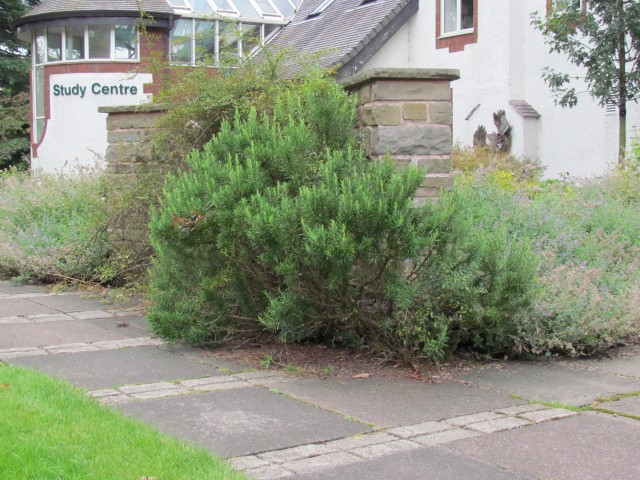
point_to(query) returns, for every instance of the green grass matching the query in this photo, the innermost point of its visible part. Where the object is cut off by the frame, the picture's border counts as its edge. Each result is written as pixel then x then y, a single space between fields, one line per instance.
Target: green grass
pixel 51 430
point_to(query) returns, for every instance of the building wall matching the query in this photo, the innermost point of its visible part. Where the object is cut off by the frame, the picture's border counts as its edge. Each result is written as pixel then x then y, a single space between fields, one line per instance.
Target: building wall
pixel 506 63
pixel 75 134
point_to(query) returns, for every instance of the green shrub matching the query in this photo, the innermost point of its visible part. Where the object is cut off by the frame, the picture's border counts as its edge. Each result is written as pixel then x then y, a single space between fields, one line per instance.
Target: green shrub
pixel 52 226
pixel 588 274
pixel 502 170
pixel 204 98
pixel 284 224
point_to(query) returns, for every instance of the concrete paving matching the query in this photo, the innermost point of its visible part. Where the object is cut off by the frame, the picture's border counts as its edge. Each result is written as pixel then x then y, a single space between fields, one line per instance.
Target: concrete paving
pixel 69 303
pixel 242 421
pixel 486 422
pixel 582 447
pixel 549 382
pixel 424 463
pixel 377 401
pixel 129 326
pixel 628 366
pixel 9 289
pixel 625 406
pixel 103 369
pixel 71 331
pixel 22 306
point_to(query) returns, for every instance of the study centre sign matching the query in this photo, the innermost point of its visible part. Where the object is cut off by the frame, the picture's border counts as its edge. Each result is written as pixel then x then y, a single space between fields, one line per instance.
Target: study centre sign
pixel 95 88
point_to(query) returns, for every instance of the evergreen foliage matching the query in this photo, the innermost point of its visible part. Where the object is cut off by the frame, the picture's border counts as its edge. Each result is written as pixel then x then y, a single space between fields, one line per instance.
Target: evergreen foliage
pixel 284 224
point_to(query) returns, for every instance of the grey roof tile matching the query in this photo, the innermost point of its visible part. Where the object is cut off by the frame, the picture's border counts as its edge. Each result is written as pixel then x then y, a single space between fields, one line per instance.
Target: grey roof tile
pixel 341 31
pixel 50 8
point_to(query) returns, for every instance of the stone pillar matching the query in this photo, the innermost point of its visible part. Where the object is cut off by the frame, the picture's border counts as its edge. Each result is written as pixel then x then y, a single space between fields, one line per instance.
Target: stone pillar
pixel 130 150
pixel 130 157
pixel 407 114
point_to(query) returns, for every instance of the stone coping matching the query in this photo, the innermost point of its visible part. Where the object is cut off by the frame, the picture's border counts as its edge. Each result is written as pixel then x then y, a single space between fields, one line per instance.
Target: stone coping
pixel 143 108
pixel 400 74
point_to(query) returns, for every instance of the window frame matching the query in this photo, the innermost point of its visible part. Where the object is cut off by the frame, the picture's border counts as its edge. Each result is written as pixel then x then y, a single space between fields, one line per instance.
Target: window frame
pixel 86 58
pixel 217 44
pixel 458 31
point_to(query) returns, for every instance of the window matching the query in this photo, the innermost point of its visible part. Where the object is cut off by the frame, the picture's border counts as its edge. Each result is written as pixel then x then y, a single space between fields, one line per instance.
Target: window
pixel 54 44
pixel 75 43
pixel 195 40
pixel 99 41
pixel 205 41
pixel 181 45
pixel 566 5
pixel 126 38
pixel 85 42
pixel 457 16
pixel 38 101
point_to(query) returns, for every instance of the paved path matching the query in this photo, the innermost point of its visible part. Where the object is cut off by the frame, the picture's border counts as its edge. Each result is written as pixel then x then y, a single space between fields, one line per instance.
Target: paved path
pixel 487 422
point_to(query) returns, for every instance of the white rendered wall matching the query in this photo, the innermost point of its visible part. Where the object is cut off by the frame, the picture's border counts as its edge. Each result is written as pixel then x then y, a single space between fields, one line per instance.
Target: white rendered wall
pixel 506 64
pixel 76 134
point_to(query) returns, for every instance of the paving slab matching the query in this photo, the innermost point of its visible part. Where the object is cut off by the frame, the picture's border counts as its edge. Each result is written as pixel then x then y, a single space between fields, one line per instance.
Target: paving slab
pixel 206 356
pixel 549 382
pixel 582 447
pixel 21 307
pixel 243 421
pixel 52 333
pixel 130 326
pixel 70 303
pixel 629 406
pixel 424 463
pixel 8 288
pixel 628 366
pixel 125 366
pixel 379 401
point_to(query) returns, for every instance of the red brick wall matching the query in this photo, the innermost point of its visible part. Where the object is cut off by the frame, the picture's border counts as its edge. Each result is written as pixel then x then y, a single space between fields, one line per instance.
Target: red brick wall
pixel 458 42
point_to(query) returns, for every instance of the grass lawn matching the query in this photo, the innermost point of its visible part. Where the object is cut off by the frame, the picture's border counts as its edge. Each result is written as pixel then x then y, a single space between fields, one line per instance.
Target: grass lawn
pixel 51 430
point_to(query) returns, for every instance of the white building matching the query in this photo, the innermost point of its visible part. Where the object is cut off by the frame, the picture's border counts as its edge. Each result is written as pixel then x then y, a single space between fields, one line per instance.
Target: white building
pixel 500 57
pixel 492 42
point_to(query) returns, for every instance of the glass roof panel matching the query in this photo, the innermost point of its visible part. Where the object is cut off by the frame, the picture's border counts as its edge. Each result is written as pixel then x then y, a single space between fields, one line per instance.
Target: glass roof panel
pixel 201 6
pixel 286 9
pixel 179 3
pixel 224 5
pixel 266 7
pixel 246 9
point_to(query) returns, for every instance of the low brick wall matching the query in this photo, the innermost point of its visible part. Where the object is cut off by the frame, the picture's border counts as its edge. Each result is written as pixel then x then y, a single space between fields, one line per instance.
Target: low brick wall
pixel 407 114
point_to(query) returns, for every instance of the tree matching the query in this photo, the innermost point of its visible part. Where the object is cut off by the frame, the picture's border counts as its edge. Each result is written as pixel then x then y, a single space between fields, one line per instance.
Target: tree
pixel 603 37
pixel 14 54
pixel 14 84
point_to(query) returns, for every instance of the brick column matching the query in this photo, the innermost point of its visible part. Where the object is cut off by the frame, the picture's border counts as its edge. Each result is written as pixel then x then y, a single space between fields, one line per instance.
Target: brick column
pixel 407 114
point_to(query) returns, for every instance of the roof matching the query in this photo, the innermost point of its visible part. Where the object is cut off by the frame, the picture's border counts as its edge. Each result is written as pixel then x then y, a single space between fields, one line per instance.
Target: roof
pixel 347 33
pixel 59 8
pixel 524 109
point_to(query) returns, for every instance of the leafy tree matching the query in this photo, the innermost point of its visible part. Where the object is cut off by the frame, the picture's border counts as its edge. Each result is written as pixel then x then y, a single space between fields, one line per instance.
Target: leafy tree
pixel 14 132
pixel 14 54
pixel 603 37
pixel 14 83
